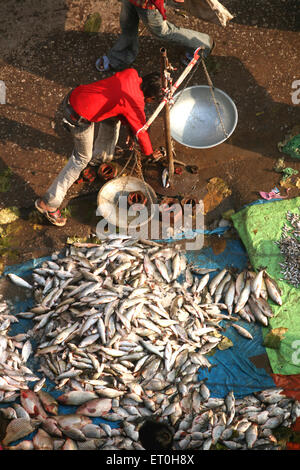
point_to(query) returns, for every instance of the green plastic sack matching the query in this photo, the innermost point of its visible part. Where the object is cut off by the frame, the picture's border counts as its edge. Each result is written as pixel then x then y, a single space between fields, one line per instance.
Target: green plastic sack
pixel 292 148
pixel 260 226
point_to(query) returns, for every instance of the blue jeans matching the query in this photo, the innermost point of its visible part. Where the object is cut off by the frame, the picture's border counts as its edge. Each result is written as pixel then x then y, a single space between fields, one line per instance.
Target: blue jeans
pixel 124 52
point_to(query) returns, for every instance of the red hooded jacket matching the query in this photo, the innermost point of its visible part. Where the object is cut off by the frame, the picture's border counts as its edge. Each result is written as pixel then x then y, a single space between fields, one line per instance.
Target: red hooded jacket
pixel 159 4
pixel 117 96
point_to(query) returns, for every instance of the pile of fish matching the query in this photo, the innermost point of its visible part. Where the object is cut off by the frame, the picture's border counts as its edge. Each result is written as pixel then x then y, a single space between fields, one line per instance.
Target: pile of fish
pixel 124 340
pixel 289 245
pixel 245 295
pixel 199 421
pixel 120 305
pixel 14 352
pixel 235 424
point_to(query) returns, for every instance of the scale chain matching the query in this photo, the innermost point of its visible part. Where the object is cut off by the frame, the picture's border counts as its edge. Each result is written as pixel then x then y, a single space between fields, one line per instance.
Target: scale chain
pixel 211 87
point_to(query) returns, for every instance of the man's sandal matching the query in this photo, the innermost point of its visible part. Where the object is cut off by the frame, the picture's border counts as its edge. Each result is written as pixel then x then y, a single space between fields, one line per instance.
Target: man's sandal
pixel 54 217
pixel 185 60
pixel 102 64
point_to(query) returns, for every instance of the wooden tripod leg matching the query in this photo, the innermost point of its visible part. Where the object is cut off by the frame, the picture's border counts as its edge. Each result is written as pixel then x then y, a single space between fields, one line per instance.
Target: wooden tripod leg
pixel 169 150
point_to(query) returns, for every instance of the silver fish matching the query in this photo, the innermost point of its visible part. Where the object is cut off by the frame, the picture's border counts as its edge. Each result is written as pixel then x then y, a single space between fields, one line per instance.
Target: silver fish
pixel 273 289
pixel 244 296
pixel 242 331
pixel 216 280
pixel 256 284
pixel 19 281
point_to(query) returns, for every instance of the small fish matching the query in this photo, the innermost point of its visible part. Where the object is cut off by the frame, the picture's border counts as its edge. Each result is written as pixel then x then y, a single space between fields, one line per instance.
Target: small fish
pixel 202 283
pixel 130 431
pixel 26 350
pixel 258 314
pixel 264 306
pixel 251 435
pixel 63 335
pixel 109 392
pixel 240 282
pixel 244 296
pixel 263 291
pixel 31 403
pixel 39 385
pixel 165 178
pixel 256 284
pixel 217 432
pixel 229 297
pixel 77 421
pixel 216 280
pixel 197 270
pixel 42 440
pixel 176 265
pixel 273 422
pixel 273 289
pixel 242 331
pixel 76 397
pixel 18 428
pixel 69 444
pixel 19 281
pixel 162 269
pixel 204 390
pixel 221 287
pixel 20 411
pixel 50 426
pixel 207 444
pixel 232 445
pixel 151 348
pixel 95 408
pixel 94 431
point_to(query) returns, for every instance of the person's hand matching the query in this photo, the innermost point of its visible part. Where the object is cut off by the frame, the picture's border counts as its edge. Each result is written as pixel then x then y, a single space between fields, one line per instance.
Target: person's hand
pixel 157 154
pixel 129 142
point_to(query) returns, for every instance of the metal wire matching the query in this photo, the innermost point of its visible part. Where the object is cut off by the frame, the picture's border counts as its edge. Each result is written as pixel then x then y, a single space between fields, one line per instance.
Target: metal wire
pixel 211 87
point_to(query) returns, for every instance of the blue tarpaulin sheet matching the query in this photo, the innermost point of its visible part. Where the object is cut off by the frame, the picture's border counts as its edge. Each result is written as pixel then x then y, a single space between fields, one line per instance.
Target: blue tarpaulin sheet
pixel 233 369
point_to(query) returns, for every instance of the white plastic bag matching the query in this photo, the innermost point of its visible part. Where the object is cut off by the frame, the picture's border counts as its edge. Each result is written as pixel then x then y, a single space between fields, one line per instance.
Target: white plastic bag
pixel 2 92
pixel 208 10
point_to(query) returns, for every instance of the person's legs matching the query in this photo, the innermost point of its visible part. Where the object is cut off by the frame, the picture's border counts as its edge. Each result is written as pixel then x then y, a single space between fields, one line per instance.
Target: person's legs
pixel 106 141
pixel 167 31
pixel 125 50
pixel 82 154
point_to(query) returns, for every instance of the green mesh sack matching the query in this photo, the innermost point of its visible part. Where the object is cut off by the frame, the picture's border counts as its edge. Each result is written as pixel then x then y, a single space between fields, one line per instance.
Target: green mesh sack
pixel 292 147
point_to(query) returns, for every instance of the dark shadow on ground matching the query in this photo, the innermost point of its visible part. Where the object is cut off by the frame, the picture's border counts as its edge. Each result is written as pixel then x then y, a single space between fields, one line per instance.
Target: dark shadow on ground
pixel 29 138
pixel 61 65
pixel 31 19
pixel 271 14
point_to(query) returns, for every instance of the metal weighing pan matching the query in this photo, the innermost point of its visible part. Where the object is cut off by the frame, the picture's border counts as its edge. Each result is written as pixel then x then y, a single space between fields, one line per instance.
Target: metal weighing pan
pixel 194 119
pixel 108 200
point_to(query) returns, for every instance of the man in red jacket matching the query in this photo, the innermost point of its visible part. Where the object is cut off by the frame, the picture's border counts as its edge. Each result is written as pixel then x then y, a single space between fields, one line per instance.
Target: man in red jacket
pixel 152 13
pixel 118 99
